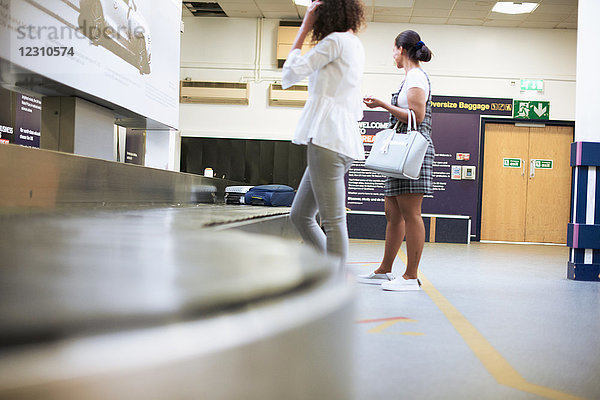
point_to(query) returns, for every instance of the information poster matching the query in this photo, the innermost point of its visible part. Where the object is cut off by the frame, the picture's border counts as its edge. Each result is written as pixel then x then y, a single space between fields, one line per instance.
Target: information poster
pixel 126 52
pixel 456 137
pixel 28 121
pixel 135 147
pixel 365 187
pixel 6 119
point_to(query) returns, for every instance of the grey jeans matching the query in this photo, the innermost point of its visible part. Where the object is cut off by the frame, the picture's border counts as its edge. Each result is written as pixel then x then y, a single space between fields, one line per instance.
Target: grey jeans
pixel 322 189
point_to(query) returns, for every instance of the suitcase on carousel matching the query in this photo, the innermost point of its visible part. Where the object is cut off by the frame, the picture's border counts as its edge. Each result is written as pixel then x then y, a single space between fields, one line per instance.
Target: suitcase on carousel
pixel 270 195
pixel 236 194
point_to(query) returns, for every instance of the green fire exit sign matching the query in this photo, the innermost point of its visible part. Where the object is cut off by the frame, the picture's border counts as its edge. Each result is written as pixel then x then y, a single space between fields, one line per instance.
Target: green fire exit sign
pixel 511 162
pixel 531 109
pixel 532 84
pixel 543 164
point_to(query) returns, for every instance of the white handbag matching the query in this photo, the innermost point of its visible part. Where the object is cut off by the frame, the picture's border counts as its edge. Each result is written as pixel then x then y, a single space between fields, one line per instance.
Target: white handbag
pixel 399 155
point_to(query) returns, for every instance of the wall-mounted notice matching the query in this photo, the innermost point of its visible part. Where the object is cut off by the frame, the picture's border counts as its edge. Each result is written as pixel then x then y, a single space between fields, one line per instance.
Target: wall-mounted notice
pixel 6 119
pixel 456 172
pixel 532 84
pixel 511 162
pixel 28 121
pixel 455 134
pixel 364 187
pixel 123 51
pixel 135 147
pixel 472 105
pixel 543 164
pixel 531 109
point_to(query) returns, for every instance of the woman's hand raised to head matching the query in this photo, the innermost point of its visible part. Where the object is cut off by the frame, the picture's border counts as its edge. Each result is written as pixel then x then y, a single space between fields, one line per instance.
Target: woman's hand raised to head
pixel 307 25
pixel 309 18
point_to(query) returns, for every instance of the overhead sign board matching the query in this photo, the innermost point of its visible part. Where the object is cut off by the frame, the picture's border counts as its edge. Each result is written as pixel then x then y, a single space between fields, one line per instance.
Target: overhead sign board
pixel 472 105
pixel 125 52
pixel 531 109
pixel 532 84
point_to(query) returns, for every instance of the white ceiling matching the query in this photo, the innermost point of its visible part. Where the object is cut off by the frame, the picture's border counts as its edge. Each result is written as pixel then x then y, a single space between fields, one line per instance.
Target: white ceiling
pixel 550 14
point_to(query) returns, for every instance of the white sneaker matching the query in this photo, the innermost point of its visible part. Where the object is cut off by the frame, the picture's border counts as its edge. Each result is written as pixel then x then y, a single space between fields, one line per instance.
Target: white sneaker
pixel 401 285
pixel 374 279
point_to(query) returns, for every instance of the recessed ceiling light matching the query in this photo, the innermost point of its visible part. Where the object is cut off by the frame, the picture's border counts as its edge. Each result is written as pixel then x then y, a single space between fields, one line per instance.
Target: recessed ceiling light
pixel 514 7
pixel 305 3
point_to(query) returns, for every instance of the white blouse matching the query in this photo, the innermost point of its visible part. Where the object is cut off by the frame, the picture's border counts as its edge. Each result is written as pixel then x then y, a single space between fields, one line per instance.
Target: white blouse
pixel 416 77
pixel 334 106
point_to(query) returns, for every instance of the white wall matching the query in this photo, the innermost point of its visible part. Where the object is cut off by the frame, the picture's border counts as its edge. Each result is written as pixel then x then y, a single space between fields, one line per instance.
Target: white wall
pixel 94 131
pixel 468 61
pixel 163 150
pixel 157 149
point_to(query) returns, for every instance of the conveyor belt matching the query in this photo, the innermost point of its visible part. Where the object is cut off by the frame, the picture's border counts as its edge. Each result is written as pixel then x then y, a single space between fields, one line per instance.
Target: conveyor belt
pixel 93 270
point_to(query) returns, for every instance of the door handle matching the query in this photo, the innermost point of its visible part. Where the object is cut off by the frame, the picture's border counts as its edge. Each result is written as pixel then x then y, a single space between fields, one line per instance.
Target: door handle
pixel 532 168
pixel 523 171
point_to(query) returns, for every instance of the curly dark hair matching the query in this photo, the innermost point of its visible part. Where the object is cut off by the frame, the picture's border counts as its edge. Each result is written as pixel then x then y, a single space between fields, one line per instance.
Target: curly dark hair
pixel 337 16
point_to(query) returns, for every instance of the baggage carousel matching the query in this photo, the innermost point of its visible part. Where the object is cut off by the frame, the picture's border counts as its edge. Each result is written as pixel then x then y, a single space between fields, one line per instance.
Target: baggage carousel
pixel 130 300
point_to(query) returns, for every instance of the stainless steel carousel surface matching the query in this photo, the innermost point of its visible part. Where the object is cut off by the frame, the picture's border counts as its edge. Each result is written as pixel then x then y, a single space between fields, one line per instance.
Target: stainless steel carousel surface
pixel 116 284
pixel 152 304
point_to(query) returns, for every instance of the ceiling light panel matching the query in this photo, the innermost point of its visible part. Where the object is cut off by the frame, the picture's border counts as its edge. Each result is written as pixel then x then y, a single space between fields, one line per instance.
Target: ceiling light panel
pixel 510 7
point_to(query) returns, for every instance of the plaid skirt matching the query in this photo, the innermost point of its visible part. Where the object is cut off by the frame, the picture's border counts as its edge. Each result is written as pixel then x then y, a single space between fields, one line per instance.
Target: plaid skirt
pixel 396 186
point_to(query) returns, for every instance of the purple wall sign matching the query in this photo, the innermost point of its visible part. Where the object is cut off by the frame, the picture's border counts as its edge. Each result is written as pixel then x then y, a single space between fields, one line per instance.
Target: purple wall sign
pixel 471 105
pixel 456 136
pixel 28 121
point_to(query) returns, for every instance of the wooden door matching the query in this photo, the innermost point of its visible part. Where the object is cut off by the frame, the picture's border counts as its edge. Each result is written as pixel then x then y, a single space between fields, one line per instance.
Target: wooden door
pixel 504 197
pixel 529 202
pixel 548 186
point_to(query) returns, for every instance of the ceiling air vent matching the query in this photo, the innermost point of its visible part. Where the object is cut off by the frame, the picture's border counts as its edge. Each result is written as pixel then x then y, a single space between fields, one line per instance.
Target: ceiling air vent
pixel 204 9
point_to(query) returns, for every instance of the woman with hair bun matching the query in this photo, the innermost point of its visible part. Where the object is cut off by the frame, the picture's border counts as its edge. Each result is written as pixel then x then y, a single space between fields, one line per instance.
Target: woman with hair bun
pixel 403 197
pixel 329 122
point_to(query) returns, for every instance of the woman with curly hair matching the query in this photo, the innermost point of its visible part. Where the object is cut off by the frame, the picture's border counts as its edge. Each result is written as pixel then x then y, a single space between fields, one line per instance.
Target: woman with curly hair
pixel 329 122
pixel 403 197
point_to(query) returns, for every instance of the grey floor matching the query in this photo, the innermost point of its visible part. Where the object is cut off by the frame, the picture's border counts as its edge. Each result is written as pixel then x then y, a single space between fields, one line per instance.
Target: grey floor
pixel 494 321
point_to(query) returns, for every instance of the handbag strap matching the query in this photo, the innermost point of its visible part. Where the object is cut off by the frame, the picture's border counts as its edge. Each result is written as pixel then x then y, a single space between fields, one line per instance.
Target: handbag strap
pixel 385 145
pixel 413 120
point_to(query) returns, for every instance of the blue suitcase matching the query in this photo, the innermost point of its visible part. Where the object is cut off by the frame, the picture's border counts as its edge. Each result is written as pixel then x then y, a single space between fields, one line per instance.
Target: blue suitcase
pixel 270 195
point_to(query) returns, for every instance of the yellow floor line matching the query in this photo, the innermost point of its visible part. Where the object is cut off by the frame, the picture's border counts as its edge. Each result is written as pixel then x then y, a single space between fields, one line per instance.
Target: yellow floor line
pixel 492 360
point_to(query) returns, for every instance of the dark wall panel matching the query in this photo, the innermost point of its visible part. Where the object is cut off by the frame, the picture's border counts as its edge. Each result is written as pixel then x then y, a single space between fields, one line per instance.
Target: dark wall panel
pixel 281 154
pixel 266 162
pixel 255 162
pixel 451 230
pixel 223 159
pixel 296 164
pixel 238 164
pixel 251 161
